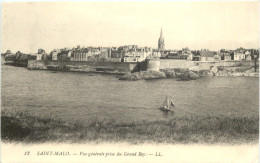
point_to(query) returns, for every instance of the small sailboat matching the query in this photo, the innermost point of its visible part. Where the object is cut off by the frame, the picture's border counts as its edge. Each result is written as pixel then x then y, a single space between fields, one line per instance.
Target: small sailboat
pixel 167 105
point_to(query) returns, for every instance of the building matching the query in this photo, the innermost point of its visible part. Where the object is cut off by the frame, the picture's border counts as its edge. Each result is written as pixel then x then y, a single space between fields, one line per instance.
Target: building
pixel 173 55
pixel 116 53
pixel 238 55
pixel 196 58
pixel 136 54
pixel 225 56
pixel 8 52
pixel 80 54
pixel 64 55
pixel 184 54
pixel 206 55
pixel 164 53
pixel 188 55
pixel 217 57
pixel 155 54
pixel 128 53
pixel 9 56
pixel 54 54
pixel 161 42
pixel 41 54
pixel 248 55
pixel 254 54
pixel 21 59
pixel 104 52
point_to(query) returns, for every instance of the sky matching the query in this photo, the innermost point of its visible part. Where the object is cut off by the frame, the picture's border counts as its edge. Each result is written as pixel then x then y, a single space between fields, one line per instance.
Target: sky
pixel 29 26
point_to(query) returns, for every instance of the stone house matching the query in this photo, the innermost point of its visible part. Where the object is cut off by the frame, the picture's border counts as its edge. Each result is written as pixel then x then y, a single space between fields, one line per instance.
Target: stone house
pixel 41 54
pixel 54 54
pixel 207 55
pixel 104 53
pixel 225 54
pixel 64 55
pixel 9 56
pixel 137 54
pixel 248 55
pixel 80 54
pixel 173 55
pixel 227 57
pixel 188 55
pixel 217 57
pixel 132 53
pixel 94 51
pixel 155 54
pixel 238 55
pixel 196 58
pixel 116 53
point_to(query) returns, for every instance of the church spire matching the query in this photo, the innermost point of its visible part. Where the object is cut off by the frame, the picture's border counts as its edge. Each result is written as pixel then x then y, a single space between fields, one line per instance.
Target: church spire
pixel 161 41
pixel 161 35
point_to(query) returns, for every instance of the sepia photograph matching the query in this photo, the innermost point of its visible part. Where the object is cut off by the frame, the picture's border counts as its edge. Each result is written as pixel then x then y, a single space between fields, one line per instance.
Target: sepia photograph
pixel 149 81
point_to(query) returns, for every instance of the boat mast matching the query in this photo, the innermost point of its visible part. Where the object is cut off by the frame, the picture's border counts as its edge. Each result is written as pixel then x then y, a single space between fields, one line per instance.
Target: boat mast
pixel 168 102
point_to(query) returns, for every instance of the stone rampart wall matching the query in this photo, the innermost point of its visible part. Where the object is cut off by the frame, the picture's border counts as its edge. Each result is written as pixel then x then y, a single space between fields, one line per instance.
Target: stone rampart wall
pixel 173 63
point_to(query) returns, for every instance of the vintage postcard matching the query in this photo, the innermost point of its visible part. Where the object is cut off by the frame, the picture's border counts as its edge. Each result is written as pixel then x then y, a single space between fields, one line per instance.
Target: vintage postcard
pixel 130 81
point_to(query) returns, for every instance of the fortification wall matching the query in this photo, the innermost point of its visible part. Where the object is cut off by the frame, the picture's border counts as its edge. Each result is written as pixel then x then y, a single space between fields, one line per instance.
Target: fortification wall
pixel 248 63
pixel 122 67
pixel 152 65
pixel 98 66
pixel 22 63
pixel 207 65
pixel 37 64
pixel 171 63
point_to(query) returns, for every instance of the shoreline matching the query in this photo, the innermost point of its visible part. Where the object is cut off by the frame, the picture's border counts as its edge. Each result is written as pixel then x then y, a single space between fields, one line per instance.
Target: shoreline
pixel 181 70
pixel 21 127
pixel 183 74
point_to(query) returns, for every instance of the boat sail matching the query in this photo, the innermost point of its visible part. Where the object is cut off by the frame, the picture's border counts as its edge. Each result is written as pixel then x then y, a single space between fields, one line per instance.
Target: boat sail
pixel 167 105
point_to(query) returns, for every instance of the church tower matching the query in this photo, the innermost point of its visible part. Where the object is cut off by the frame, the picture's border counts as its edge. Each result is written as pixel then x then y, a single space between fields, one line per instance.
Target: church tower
pixel 161 42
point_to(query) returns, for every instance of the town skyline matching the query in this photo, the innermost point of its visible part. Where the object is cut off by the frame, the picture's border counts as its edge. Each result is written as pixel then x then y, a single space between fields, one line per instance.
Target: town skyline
pixel 193 25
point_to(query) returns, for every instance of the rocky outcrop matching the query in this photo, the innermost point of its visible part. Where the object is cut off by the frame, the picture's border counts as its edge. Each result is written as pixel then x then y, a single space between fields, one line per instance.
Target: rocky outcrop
pixel 143 75
pixel 236 71
pixel 226 71
pixel 180 73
